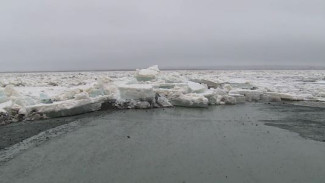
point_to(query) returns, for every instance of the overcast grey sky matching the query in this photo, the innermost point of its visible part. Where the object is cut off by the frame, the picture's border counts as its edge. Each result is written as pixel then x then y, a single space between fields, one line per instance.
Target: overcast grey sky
pixel 112 34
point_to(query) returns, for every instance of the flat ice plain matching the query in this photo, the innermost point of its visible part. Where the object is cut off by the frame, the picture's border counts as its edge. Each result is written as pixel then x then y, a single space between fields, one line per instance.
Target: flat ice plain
pixel 33 96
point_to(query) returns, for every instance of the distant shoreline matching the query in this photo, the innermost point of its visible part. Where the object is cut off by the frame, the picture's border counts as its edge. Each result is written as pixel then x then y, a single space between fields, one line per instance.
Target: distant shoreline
pixel 188 68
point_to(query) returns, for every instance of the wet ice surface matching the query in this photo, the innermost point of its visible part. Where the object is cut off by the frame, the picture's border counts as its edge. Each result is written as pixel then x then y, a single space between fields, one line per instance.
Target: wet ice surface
pixel 17 132
pixel 32 96
pixel 219 143
pixel 309 122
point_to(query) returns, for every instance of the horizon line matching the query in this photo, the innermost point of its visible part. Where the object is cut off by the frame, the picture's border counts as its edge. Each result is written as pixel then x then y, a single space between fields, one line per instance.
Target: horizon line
pixel 220 67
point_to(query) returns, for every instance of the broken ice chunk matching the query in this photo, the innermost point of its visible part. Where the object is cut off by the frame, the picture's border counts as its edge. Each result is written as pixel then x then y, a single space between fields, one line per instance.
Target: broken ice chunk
pixel 82 95
pixel 196 87
pixel 147 74
pixel 3 96
pixel 136 91
pixel 45 99
pixel 162 101
pixel 190 100
pixel 10 91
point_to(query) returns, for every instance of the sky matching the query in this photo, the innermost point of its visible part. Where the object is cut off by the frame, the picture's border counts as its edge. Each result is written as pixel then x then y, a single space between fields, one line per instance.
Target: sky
pixel 42 35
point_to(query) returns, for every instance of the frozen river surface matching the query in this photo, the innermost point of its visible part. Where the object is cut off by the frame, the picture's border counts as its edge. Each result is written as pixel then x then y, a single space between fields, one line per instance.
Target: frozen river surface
pixel 34 96
pixel 215 144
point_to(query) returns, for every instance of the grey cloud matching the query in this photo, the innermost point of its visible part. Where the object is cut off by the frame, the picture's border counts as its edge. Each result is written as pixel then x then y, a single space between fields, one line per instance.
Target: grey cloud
pixel 106 34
